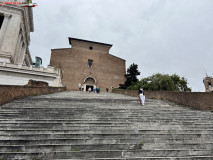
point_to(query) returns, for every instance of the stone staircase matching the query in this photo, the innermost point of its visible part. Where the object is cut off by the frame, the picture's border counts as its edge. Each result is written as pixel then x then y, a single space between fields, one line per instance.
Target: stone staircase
pixel 78 125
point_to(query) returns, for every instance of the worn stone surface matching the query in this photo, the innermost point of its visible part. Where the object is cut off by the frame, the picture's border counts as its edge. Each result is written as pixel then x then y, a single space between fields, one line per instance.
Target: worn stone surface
pixel 33 83
pixel 208 83
pixel 79 125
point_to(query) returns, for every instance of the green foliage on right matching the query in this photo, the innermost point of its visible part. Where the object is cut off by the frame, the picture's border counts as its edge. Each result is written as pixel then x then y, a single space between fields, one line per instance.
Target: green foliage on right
pixel 162 82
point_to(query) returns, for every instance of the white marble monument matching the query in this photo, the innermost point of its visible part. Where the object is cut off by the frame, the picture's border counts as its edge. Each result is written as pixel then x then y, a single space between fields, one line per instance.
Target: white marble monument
pixel 16 66
pixel 16 23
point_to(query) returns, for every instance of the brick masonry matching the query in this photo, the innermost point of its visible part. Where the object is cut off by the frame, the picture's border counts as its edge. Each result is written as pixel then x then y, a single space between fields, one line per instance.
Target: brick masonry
pixel 10 93
pixel 197 100
pixel 108 71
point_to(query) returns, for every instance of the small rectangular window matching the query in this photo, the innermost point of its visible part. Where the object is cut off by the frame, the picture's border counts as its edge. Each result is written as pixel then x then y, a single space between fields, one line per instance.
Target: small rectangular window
pixel 115 77
pixel 90 62
pixel 1 20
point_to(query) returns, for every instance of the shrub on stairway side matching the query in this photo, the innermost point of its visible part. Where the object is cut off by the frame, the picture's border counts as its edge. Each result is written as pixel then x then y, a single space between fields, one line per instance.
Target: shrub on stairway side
pixel 162 82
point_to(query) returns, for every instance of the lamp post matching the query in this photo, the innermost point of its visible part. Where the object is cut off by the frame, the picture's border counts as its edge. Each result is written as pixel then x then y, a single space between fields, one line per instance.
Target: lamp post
pixel 79 86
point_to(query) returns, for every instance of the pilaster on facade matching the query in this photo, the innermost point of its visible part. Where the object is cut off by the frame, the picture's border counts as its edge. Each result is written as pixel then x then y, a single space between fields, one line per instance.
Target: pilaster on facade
pixel 18 42
pixel 16 35
pixel 23 55
pixel 23 51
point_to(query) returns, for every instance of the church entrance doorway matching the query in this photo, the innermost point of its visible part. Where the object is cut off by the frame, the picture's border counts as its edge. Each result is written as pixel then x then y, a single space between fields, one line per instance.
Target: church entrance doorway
pixel 89 82
pixel 87 87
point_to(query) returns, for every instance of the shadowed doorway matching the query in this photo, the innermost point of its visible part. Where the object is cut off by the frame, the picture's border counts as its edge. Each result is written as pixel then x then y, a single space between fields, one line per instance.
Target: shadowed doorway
pixel 89 83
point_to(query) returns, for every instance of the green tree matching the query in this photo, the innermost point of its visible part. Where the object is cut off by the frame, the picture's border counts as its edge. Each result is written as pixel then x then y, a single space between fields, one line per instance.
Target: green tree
pixel 131 76
pixel 162 82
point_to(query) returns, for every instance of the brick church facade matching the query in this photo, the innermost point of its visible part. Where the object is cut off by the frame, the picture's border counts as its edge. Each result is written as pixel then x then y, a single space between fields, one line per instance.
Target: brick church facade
pixel 88 64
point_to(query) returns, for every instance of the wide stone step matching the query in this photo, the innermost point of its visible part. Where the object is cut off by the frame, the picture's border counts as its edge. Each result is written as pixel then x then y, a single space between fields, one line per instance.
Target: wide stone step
pixel 104 135
pixel 68 115
pixel 115 114
pixel 136 111
pixel 166 153
pixel 75 141
pixel 186 146
pixel 61 127
pixel 11 141
pixel 160 121
pixel 71 147
pixel 62 147
pixel 102 131
pixel 64 124
pixel 118 124
pixel 106 108
pixel 102 154
pixel 85 122
pixel 152 158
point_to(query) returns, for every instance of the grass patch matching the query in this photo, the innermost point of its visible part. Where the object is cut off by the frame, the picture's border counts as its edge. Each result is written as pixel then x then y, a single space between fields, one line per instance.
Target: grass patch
pixel 141 142
pixel 76 150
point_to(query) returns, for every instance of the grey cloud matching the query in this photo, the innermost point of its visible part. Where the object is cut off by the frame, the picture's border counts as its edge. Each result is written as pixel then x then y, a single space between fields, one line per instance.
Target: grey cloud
pixel 159 35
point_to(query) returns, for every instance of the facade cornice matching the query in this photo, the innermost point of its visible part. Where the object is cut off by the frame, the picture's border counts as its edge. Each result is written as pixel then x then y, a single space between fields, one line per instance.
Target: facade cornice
pixel 25 71
pixel 82 40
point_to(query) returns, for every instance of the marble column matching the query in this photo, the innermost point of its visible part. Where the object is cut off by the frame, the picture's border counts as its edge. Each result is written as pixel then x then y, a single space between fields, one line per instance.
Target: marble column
pixel 17 47
pixel 22 55
pixel 19 51
pixel 16 33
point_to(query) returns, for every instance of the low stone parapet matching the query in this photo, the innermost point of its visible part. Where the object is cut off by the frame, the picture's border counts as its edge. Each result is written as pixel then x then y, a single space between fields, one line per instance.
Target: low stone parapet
pixel 10 93
pixel 197 100
pixel 18 74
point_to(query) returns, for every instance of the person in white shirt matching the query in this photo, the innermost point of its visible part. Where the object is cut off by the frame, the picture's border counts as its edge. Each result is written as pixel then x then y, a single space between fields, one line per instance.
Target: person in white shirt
pixel 141 96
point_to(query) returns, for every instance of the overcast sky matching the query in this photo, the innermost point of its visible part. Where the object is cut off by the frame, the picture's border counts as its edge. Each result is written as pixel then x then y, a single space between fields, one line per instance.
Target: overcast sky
pixel 165 36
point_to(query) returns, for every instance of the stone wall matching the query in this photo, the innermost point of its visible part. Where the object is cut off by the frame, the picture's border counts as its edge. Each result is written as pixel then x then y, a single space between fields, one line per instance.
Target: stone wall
pixel 10 93
pixel 198 100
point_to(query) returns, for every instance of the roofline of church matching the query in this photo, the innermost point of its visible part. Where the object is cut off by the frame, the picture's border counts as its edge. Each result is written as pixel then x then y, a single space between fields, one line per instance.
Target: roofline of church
pixel 60 48
pixel 118 57
pixel 70 38
pixel 71 48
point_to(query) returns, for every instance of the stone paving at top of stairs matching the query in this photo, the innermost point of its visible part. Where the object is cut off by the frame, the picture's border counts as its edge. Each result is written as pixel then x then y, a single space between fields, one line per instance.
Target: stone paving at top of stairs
pixel 80 125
